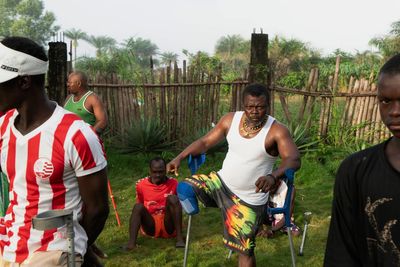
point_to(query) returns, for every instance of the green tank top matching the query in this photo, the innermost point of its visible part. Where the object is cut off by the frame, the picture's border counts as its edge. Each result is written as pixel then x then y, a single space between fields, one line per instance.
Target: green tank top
pixel 79 108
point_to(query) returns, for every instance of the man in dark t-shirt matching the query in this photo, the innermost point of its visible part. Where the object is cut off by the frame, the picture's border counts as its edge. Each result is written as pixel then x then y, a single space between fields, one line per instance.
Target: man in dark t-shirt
pixel 365 224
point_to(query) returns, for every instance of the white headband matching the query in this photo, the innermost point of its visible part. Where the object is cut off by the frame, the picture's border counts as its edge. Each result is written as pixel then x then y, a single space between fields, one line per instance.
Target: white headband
pixel 14 63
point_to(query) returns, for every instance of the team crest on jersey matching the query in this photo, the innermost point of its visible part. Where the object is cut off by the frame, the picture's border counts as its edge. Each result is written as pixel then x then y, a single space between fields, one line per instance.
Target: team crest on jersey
pixel 43 169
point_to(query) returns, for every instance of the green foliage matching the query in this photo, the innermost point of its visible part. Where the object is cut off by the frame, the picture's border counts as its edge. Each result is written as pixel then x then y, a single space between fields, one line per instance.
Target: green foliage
pixel 103 44
pixel 201 62
pixel 140 50
pixel 75 35
pixel 27 18
pixel 303 138
pixel 287 55
pixel 129 62
pixel 220 147
pixel 146 135
pixel 358 67
pixel 234 52
pixel 168 57
pixel 293 80
pixel 388 44
pixel 341 140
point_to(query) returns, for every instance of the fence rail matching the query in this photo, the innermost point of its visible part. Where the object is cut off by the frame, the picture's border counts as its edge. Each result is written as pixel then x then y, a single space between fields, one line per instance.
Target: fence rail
pixel 356 105
pixel 186 108
pixel 183 109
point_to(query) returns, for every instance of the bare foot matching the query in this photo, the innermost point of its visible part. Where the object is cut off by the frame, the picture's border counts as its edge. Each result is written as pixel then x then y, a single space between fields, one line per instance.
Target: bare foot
pixel 129 247
pixel 180 243
pixel 266 233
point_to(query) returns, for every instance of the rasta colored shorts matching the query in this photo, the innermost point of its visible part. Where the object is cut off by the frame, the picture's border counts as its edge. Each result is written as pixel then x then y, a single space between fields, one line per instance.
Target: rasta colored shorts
pixel 159 227
pixel 241 220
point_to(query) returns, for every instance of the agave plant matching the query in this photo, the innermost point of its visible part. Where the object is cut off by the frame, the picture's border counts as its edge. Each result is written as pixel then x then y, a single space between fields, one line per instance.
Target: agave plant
pixel 302 138
pixel 144 136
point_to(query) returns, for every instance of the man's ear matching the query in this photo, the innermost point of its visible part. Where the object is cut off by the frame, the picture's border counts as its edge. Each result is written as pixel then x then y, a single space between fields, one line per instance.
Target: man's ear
pixel 25 82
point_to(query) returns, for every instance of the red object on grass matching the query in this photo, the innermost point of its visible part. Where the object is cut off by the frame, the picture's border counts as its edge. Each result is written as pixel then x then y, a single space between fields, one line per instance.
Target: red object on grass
pixel 113 202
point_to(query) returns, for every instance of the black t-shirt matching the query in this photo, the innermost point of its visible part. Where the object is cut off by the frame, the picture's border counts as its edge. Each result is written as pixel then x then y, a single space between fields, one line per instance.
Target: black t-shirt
pixel 365 224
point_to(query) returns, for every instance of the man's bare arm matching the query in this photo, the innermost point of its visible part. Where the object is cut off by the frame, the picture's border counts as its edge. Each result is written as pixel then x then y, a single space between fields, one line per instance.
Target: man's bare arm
pixel 93 190
pixel 99 112
pixel 279 137
pixel 287 150
pixel 201 145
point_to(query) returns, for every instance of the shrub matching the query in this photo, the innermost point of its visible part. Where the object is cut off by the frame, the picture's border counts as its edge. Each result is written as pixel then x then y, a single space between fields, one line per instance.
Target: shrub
pixel 303 138
pixel 144 136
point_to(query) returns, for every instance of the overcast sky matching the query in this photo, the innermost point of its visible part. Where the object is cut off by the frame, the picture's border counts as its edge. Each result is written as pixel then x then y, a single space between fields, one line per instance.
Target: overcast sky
pixel 197 24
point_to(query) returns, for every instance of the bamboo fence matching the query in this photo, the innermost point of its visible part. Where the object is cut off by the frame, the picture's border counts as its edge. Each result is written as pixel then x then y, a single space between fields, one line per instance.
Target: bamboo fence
pixel 185 102
pixel 356 105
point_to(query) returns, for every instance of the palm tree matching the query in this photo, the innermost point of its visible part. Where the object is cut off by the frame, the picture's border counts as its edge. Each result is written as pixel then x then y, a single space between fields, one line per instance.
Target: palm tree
pixel 141 50
pixel 229 44
pixel 234 52
pixel 167 57
pixel 389 44
pixel 101 43
pixel 367 57
pixel 75 35
pixel 289 55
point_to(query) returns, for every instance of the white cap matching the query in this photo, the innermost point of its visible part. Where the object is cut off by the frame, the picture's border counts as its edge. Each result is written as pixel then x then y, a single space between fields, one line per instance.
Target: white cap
pixel 14 63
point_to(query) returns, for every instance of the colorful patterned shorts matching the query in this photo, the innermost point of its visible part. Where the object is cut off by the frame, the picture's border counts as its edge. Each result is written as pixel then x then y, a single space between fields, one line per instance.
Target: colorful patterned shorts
pixel 241 220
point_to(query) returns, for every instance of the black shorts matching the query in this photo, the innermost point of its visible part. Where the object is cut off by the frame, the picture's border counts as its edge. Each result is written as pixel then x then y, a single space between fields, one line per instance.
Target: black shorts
pixel 241 220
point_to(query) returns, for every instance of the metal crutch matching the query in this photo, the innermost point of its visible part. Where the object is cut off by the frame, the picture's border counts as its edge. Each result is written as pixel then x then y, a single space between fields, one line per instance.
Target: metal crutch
pixel 54 219
pixel 194 163
pixel 289 173
pixel 307 218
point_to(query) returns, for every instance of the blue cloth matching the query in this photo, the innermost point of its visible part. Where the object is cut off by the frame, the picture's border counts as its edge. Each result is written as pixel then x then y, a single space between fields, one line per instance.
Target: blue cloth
pixel 188 199
pixel 194 162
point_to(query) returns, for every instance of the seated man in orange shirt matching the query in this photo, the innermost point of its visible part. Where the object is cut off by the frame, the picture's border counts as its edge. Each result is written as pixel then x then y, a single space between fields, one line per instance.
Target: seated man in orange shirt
pixel 157 211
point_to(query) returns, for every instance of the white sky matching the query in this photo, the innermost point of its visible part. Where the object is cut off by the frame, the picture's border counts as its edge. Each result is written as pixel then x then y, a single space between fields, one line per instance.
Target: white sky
pixel 197 24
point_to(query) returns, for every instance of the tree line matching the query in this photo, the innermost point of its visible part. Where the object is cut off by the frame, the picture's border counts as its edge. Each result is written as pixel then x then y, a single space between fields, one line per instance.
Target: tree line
pixel 290 59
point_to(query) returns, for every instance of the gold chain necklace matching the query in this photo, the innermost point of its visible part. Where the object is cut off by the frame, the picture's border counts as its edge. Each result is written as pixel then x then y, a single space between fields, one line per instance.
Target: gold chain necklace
pixel 252 130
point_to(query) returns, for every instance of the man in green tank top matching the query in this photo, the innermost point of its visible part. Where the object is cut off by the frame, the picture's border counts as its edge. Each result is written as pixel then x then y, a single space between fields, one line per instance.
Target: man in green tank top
pixel 86 104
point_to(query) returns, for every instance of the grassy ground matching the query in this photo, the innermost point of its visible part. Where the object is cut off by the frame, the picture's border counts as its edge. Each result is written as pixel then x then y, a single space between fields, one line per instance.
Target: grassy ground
pixel 314 193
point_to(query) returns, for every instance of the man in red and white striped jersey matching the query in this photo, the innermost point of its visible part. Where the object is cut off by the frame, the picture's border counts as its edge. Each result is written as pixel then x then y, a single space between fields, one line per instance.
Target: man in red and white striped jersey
pixel 53 160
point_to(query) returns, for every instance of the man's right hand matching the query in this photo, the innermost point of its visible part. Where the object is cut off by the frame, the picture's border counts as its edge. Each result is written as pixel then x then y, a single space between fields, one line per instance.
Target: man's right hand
pixel 173 166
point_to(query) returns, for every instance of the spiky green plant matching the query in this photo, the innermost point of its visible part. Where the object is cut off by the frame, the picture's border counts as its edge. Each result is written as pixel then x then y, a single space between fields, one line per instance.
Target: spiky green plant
pixel 144 136
pixel 303 138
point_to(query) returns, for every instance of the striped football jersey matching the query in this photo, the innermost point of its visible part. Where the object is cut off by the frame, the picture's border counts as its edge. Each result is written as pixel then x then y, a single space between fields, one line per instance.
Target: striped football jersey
pixel 42 167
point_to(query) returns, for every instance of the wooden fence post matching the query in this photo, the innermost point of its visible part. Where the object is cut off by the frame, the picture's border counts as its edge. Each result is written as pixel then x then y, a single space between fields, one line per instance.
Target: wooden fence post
pixel 258 70
pixel 57 73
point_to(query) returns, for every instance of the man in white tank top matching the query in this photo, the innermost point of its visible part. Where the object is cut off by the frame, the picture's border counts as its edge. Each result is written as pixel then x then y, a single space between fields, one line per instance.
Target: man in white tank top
pixel 240 189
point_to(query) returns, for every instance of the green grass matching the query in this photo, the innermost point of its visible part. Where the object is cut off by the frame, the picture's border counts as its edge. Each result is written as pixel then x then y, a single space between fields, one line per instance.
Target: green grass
pixel 314 193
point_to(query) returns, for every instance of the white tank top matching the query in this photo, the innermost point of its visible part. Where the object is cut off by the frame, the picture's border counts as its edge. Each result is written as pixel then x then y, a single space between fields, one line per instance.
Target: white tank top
pixel 246 161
